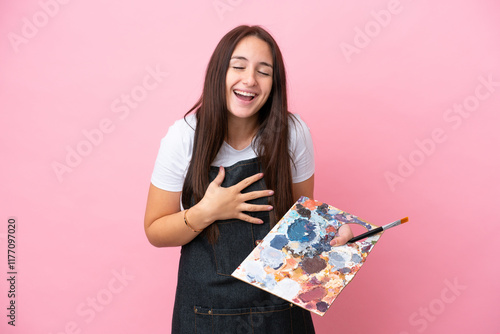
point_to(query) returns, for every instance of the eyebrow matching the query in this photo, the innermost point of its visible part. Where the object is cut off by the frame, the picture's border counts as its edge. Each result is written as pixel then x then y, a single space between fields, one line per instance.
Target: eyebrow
pixel 261 63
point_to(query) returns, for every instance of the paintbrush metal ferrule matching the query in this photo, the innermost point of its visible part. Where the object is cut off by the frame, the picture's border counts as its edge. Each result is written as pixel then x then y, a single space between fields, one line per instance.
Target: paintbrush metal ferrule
pixel 396 223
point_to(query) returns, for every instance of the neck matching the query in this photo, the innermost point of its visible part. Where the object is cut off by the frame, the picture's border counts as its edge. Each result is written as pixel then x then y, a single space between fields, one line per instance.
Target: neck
pixel 241 131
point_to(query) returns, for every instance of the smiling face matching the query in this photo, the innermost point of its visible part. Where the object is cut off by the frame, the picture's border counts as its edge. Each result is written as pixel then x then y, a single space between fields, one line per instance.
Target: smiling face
pixel 249 78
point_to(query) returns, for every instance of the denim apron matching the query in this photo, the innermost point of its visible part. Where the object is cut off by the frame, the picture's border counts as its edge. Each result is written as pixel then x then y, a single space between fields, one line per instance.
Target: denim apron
pixel 209 300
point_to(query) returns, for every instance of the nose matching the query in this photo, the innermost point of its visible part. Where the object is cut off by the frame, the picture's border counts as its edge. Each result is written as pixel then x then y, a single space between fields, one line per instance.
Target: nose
pixel 249 77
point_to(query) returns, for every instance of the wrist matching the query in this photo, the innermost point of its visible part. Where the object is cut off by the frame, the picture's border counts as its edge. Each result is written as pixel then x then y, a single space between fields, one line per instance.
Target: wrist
pixel 186 221
pixel 198 217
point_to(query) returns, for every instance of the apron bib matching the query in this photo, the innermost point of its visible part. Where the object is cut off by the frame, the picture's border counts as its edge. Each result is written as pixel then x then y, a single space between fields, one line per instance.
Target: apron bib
pixel 208 299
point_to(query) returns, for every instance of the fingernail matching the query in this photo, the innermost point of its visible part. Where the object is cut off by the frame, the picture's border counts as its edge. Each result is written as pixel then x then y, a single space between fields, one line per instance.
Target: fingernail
pixel 270 207
pixel 221 169
pixel 333 242
pixel 260 222
pixel 271 192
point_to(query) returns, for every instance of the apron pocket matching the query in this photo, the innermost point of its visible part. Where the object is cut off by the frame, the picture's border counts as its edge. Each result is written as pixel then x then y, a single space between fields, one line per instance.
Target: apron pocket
pixel 256 320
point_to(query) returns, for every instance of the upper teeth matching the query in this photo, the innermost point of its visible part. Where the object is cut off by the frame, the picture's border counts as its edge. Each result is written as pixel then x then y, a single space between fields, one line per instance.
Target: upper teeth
pixel 244 93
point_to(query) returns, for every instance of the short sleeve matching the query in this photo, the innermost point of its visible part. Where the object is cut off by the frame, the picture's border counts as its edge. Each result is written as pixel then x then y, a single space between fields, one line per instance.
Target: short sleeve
pixel 173 157
pixel 302 150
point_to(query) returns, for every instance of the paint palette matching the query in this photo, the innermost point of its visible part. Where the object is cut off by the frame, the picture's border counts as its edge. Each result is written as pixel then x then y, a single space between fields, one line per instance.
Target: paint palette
pixel 296 262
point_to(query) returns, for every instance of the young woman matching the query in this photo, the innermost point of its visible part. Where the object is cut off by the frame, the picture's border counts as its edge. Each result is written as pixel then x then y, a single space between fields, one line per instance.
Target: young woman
pixel 223 177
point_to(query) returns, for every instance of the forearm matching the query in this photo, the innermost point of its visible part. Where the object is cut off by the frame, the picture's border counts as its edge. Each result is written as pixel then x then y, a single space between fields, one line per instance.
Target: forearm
pixel 171 230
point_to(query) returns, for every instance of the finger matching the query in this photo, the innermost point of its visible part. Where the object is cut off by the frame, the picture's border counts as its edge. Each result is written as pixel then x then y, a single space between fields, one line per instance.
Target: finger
pixel 339 241
pixel 255 207
pixel 256 194
pixel 220 176
pixel 250 219
pixel 248 181
pixel 345 234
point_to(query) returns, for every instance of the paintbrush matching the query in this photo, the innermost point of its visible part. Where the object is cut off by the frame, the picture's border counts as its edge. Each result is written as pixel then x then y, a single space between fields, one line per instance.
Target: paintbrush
pixel 379 229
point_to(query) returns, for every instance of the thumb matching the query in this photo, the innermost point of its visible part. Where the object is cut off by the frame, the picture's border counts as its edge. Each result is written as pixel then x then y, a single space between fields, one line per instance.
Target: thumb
pixel 220 177
pixel 338 241
pixel 344 235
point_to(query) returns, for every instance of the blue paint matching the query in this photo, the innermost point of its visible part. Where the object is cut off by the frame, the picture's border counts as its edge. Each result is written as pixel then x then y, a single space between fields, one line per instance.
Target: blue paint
pixel 269 282
pixel 323 246
pixel 279 241
pixel 301 230
pixel 337 260
pixel 337 257
pixel 356 258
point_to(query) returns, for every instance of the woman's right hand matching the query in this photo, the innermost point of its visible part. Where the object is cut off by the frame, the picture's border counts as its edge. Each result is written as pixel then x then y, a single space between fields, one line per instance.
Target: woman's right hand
pixel 221 203
pixel 166 225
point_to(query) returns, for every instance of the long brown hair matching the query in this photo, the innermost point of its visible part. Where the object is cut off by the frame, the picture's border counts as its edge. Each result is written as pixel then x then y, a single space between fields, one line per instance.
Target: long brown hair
pixel 212 127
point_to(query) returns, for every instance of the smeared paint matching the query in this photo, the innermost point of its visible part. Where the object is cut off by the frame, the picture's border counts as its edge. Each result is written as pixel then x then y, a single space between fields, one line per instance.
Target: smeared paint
pixel 296 262
pixel 287 288
pixel 314 294
pixel 356 258
pixel 254 272
pixel 272 257
pixel 309 203
pixel 303 211
pixel 366 248
pixel 279 241
pixel 322 210
pixel 323 246
pixel 322 306
pixel 301 230
pixel 339 259
pixel 313 265
pixel 314 281
pixel 345 270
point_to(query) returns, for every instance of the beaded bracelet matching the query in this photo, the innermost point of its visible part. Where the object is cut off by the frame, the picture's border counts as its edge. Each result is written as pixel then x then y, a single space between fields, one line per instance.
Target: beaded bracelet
pixel 189 225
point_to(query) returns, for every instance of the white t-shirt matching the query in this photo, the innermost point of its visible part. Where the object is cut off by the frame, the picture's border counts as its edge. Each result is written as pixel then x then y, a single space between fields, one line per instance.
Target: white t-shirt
pixel 176 150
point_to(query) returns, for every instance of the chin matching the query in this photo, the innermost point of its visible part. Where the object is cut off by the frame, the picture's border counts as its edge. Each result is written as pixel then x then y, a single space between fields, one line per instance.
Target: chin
pixel 243 113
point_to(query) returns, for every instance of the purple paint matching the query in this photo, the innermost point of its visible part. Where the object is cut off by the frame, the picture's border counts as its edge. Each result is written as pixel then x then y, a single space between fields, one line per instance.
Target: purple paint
pixel 313 265
pixel 303 211
pixel 316 293
pixel 322 306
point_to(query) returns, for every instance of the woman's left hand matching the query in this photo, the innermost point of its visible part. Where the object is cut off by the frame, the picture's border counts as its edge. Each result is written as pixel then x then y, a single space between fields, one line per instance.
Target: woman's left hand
pixel 344 235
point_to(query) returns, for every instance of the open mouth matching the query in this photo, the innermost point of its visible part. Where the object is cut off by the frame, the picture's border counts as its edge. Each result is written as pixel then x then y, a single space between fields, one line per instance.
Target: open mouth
pixel 245 96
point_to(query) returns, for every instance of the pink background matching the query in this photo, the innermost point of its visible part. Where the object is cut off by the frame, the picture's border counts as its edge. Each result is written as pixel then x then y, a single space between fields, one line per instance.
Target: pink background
pixel 383 108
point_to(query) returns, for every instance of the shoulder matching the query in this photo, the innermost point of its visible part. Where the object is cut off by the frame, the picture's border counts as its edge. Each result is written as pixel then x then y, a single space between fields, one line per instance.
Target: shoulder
pixel 298 129
pixel 180 134
pixel 301 149
pixel 185 125
pixel 174 154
